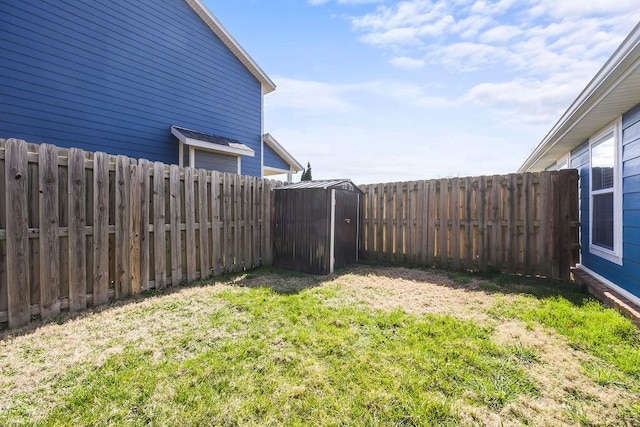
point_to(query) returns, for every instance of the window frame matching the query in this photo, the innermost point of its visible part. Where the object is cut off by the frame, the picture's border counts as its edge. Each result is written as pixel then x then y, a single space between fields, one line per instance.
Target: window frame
pixel 613 255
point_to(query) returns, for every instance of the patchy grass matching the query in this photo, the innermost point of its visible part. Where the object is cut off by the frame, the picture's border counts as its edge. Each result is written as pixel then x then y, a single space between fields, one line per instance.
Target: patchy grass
pixel 369 346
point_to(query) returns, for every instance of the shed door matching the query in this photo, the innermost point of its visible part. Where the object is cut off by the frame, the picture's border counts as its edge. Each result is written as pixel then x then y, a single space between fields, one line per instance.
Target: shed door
pixel 346 238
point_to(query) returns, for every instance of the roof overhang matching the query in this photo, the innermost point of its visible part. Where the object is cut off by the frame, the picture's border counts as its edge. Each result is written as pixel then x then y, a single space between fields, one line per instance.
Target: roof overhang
pixel 268 170
pixel 614 90
pixel 295 166
pixel 216 26
pixel 230 147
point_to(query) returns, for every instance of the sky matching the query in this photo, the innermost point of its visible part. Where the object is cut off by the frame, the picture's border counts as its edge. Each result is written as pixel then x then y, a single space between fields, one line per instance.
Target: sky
pixel 385 90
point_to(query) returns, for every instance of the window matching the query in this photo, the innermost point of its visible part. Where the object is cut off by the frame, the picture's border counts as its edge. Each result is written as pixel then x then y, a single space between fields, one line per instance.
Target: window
pixel 606 192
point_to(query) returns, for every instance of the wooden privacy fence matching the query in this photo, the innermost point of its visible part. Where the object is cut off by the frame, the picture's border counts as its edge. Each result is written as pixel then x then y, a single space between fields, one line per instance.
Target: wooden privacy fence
pixel 517 223
pixel 78 228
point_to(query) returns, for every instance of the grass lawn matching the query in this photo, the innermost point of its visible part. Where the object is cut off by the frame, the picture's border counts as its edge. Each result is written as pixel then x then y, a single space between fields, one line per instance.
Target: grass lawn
pixel 369 345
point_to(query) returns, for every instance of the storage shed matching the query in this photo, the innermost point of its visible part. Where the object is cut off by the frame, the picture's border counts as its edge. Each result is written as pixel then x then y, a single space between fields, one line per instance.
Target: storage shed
pixel 317 225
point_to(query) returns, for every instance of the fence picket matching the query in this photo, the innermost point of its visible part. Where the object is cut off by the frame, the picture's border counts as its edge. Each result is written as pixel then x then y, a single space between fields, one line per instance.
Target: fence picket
pixel 134 229
pixel 470 218
pixel 454 238
pixel 77 232
pixel 483 237
pixel 159 233
pixel 203 215
pixel 49 244
pixel 216 252
pixel 443 234
pixel 175 219
pixel 17 239
pixel 122 215
pixel 100 229
pixel 145 202
pixel 190 213
pixel 237 218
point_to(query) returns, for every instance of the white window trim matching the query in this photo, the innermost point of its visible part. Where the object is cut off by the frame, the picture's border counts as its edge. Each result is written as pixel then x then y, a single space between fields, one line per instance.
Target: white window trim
pixel 615 255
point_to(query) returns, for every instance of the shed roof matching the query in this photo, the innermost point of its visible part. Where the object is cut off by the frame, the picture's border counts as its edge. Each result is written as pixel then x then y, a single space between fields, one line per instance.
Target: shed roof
pixel 212 22
pixel 324 184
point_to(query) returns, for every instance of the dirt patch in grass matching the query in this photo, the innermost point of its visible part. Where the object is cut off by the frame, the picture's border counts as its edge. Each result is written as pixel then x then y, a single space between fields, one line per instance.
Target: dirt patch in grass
pixel 40 364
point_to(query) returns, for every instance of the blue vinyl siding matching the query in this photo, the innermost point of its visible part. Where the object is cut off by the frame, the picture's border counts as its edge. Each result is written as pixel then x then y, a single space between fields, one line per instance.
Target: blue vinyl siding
pixel 114 76
pixel 272 159
pixel 626 276
pixel 216 161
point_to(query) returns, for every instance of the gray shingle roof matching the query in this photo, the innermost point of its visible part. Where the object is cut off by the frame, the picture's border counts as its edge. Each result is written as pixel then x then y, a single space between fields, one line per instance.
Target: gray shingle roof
pixel 207 137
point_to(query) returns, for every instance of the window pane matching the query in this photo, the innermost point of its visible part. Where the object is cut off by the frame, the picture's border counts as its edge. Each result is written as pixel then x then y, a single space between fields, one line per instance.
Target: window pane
pixel 602 161
pixel 603 220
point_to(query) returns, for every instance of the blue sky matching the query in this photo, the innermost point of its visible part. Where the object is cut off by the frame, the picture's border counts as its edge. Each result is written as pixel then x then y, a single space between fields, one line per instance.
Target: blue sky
pixel 384 90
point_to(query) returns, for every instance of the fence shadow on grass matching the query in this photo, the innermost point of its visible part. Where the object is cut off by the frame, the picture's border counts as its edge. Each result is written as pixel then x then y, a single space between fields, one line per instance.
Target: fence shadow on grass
pixel 279 281
pixel 491 283
pixel 288 282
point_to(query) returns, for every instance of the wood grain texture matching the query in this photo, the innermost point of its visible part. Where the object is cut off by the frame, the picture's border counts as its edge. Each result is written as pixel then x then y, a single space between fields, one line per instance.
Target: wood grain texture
pixel 49 243
pixel 77 232
pixel 17 239
pixel 101 229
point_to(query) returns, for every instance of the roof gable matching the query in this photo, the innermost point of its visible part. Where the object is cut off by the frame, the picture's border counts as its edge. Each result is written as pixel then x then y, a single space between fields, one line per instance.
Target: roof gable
pixel 216 26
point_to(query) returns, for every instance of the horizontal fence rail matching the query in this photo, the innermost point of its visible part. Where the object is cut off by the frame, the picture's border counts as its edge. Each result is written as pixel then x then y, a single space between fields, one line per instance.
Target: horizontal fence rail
pixel 518 223
pixel 80 228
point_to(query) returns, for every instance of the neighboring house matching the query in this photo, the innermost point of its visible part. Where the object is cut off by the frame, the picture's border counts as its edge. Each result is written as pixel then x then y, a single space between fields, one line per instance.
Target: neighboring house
pixel 160 79
pixel 600 136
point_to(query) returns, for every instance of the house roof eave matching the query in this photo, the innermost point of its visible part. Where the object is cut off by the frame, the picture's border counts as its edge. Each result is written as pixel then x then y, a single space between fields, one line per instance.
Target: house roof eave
pixel 606 97
pixel 282 152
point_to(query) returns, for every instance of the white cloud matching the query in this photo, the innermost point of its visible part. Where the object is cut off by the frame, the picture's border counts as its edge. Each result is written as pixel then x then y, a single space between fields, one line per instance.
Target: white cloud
pixel 581 8
pixel 407 63
pixel 309 96
pixel 509 67
pixel 500 34
pixel 530 101
pixel 491 8
pixel 319 2
pixel 315 97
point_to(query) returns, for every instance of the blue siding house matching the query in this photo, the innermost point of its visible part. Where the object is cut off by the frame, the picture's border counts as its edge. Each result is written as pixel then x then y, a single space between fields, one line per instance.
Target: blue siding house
pixel 600 136
pixel 133 78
